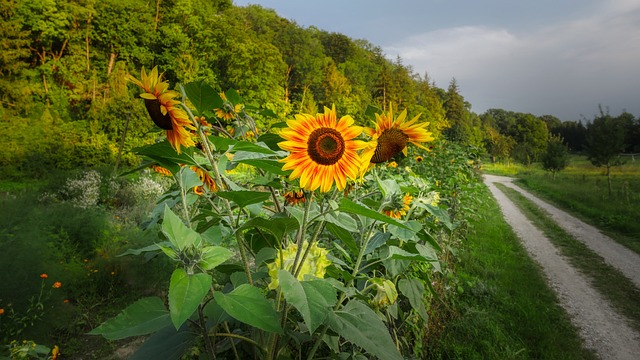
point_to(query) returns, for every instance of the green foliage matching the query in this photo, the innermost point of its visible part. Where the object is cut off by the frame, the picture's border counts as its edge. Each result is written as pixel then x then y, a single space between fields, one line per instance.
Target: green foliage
pixel 556 157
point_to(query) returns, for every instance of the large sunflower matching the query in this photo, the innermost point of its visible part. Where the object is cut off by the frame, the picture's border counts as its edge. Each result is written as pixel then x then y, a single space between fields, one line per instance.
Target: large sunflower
pixel 162 107
pixel 391 136
pixel 322 150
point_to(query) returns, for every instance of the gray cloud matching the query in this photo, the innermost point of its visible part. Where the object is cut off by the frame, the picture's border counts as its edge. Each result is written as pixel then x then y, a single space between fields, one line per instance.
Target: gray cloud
pixel 565 69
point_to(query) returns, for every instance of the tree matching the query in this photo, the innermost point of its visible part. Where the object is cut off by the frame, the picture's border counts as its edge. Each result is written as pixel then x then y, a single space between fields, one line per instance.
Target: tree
pixel 531 136
pixel 556 158
pixel 605 143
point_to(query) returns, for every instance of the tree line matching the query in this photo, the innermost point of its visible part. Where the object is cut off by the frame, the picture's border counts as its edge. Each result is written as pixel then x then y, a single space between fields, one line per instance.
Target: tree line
pixel 64 102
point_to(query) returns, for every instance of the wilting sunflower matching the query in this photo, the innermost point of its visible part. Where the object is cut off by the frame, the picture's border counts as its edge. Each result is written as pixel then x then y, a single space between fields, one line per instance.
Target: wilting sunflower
pixel 294 197
pixel 398 206
pixel 322 150
pixel 391 136
pixel 228 111
pixel 162 107
pixel 206 179
pixel 161 170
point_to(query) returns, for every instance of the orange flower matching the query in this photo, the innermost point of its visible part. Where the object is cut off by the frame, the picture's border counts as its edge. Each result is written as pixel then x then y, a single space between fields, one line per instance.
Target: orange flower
pixel 44 276
pixel 1 311
pixel 57 284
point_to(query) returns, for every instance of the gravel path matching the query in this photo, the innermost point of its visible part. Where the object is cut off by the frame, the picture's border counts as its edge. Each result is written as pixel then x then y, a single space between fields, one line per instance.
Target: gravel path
pixel 604 330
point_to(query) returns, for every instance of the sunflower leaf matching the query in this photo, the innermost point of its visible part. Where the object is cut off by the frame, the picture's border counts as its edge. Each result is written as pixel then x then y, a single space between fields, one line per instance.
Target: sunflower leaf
pixel 201 95
pixel 355 208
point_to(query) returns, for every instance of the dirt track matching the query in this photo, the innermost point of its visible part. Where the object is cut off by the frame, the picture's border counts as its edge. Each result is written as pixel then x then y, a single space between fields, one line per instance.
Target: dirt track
pixel 603 329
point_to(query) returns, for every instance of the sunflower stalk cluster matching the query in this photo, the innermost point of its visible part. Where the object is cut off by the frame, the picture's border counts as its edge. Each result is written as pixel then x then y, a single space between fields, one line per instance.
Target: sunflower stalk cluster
pixel 287 244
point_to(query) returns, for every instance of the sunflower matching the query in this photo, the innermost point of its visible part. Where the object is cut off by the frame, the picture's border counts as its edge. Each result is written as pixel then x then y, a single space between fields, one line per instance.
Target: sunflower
pixel 206 179
pixel 397 207
pixel 322 150
pixel 162 107
pixel 391 136
pixel 228 111
pixel 161 170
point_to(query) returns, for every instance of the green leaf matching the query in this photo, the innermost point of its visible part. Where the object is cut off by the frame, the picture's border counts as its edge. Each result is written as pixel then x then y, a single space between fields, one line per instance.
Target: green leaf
pixel 357 323
pixel 441 215
pixel 166 344
pixel 247 304
pixel 150 248
pixel 201 95
pixel 189 178
pixel 376 241
pixel 186 292
pixel 177 232
pixel 272 166
pixel 213 256
pixel 166 155
pixel 221 144
pixel 404 234
pixel 342 220
pixel 394 252
pixel 312 299
pixel 250 147
pixel 413 289
pixel 429 239
pixel 345 236
pixel 354 208
pixel 244 197
pixel 143 317
pixel 388 187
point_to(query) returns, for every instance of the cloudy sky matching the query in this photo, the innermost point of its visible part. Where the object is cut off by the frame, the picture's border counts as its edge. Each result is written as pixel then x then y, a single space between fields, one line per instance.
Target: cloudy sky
pixel 558 57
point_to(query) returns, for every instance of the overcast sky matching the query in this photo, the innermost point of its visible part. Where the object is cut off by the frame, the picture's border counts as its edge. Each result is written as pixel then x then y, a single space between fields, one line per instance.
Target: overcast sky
pixel 558 57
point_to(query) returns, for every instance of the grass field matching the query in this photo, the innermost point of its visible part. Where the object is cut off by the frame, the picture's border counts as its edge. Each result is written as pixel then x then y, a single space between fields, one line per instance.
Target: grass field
pixel 582 190
pixel 506 310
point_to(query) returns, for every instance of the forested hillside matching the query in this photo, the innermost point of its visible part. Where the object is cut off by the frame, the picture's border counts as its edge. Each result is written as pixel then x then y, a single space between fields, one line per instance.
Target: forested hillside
pixel 65 103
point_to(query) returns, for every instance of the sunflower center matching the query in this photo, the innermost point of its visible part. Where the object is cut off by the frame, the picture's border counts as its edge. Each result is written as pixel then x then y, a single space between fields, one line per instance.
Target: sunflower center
pixel 390 142
pixel 325 146
pixel 155 111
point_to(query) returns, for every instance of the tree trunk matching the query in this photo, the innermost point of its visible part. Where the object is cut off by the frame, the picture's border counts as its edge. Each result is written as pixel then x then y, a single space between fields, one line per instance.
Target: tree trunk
pixel 155 25
pixel 112 61
pixel 86 41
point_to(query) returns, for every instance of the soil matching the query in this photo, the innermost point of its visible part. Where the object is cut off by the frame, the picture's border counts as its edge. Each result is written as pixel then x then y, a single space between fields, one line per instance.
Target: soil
pixel 602 328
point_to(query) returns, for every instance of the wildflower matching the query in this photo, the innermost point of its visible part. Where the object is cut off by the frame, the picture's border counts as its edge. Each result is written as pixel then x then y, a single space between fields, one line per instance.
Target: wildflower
pixel 397 207
pixel 322 150
pixel 392 164
pixel 391 136
pixel 162 107
pixel 65 301
pixel 419 159
pixel 315 264
pixel 44 276
pixel 1 311
pixel 206 179
pixel 294 197
pixel 55 352
pixel 161 170
pixel 228 111
pixel 57 285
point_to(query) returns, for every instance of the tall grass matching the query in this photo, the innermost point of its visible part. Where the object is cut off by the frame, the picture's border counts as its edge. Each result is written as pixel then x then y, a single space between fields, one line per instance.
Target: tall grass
pixel 582 189
pixel 506 310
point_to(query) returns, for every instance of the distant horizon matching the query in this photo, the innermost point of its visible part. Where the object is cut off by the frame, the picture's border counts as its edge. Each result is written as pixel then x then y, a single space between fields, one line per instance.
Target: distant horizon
pixel 544 58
